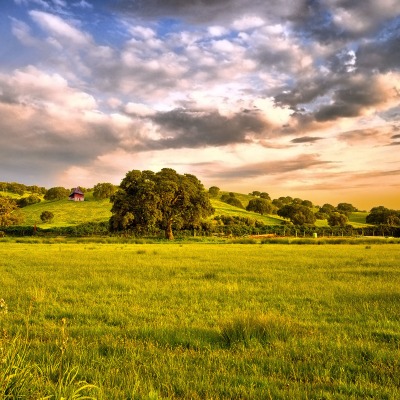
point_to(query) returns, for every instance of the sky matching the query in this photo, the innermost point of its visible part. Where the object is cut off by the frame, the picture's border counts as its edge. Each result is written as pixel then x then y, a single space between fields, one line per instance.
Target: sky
pixel 295 98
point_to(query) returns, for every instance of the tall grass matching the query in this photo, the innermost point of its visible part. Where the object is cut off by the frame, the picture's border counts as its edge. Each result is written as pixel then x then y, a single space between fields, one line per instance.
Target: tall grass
pixel 201 321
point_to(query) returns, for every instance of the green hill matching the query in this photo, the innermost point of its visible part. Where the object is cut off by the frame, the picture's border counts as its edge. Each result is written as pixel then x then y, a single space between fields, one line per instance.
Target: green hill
pixel 71 213
pixel 222 208
pixel 358 219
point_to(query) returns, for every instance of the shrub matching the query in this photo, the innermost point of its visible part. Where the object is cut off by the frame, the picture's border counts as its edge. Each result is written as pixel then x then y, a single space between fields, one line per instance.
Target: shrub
pixel 46 216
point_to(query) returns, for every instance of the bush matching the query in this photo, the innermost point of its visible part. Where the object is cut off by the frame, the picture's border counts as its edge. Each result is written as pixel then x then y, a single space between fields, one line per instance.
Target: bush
pixel 233 201
pixel 46 216
pixel 27 201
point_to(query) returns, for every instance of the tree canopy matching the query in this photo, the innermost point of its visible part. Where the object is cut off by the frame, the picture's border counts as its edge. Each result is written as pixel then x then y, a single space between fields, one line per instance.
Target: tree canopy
pixel 56 193
pixel 383 215
pixel 103 190
pixel 261 206
pixel 298 214
pixel 337 219
pixel 8 212
pixel 213 191
pixel 163 200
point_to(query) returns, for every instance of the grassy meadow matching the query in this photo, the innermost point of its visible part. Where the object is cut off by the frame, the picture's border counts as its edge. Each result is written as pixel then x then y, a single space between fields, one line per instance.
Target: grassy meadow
pixel 70 213
pixel 199 321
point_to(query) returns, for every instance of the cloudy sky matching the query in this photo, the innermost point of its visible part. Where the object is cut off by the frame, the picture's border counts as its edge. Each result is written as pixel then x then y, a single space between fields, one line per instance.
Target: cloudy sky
pixel 291 97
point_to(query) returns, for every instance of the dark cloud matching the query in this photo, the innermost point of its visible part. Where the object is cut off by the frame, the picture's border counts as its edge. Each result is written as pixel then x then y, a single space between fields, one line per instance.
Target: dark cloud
pixel 43 145
pixel 206 11
pixel 382 56
pixel 306 139
pixel 194 128
pixel 254 170
pixel 395 137
pixel 350 99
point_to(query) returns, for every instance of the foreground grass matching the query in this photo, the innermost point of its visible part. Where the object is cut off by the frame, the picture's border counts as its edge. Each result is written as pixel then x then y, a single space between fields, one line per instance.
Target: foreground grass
pixel 200 321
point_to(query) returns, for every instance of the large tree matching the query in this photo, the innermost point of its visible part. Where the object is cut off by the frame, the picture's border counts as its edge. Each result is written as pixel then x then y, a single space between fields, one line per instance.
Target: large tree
pixel 165 199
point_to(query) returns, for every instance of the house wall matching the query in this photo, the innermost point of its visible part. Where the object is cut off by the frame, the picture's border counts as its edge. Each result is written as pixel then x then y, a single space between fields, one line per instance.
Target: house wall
pixel 77 197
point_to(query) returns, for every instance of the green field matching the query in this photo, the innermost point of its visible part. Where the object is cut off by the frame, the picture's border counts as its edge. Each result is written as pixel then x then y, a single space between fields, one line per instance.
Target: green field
pixel 199 321
pixel 70 213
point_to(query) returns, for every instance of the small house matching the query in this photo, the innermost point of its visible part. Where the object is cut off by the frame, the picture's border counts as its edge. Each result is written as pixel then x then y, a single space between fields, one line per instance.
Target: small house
pixel 77 195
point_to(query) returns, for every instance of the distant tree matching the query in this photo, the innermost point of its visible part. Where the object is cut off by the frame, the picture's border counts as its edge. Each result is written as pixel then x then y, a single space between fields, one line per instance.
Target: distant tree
pixel 327 208
pixel 231 194
pixel 255 193
pixel 278 203
pixel 9 214
pixel 286 199
pixel 265 195
pixel 233 201
pixel 17 188
pixel 307 203
pixel 224 197
pixel 29 200
pixel 337 219
pixel 213 191
pixel 36 189
pixel 103 190
pixel 56 193
pixel 321 216
pixel 260 206
pixel 46 216
pixel 383 215
pixel 346 208
pixel 166 199
pixel 298 214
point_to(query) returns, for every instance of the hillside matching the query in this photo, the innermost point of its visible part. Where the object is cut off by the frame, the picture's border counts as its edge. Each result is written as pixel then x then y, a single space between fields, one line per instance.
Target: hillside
pixel 70 213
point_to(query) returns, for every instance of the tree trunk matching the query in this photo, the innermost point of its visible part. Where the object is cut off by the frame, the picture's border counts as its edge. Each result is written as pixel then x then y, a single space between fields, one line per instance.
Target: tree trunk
pixel 168 231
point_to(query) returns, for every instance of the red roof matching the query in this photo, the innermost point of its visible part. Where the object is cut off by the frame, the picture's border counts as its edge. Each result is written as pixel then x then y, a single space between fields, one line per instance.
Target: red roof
pixel 76 191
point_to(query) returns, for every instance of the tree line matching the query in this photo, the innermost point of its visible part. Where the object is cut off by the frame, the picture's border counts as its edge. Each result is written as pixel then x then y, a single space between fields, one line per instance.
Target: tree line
pixel 149 202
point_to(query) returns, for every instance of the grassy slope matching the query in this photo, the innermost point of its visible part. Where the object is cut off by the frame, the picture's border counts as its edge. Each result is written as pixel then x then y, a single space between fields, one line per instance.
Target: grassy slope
pixel 67 213
pixel 357 219
pixel 222 208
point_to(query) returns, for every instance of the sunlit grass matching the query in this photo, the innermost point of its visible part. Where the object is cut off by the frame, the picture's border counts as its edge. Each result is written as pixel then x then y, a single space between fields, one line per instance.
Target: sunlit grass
pixel 205 321
pixel 68 213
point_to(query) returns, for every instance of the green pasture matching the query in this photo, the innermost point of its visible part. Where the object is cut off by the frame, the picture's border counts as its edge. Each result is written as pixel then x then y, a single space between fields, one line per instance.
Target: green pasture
pixel 68 213
pixel 222 208
pixel 199 321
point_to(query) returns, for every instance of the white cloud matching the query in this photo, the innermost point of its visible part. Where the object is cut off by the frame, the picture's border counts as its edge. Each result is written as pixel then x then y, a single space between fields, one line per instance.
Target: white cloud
pixel 23 33
pixel 217 31
pixel 54 25
pixel 248 22
pixel 139 109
